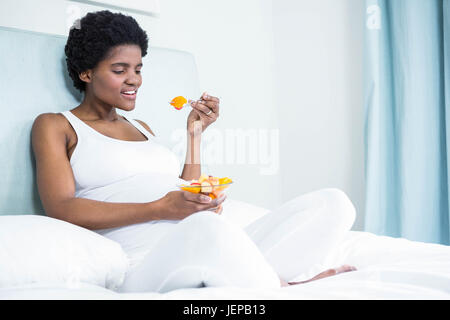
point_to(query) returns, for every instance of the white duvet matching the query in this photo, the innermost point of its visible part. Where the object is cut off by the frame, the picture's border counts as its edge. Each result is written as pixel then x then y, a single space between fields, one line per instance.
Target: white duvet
pixel 388 268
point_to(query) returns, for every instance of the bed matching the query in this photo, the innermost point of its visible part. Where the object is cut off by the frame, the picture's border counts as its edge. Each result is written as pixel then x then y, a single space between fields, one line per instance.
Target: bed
pixel 85 265
pixel 388 268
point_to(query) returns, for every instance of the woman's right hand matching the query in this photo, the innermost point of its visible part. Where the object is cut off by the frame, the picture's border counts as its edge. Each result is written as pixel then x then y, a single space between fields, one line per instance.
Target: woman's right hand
pixel 177 205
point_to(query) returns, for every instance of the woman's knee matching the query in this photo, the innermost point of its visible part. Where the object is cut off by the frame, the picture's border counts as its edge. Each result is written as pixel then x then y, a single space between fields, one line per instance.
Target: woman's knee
pixel 340 204
pixel 201 218
pixel 208 227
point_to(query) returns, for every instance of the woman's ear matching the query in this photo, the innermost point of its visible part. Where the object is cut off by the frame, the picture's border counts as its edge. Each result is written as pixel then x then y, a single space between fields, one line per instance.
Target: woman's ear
pixel 86 76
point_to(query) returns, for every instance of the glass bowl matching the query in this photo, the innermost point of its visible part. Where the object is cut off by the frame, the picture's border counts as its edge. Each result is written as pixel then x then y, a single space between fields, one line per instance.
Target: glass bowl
pixel 212 191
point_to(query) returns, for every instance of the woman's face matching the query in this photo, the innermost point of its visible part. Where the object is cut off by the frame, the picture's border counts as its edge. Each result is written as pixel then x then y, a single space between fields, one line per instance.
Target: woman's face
pixel 116 79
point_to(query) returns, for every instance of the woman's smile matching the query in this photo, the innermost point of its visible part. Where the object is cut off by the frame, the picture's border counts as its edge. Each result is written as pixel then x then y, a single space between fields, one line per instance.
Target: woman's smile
pixel 129 94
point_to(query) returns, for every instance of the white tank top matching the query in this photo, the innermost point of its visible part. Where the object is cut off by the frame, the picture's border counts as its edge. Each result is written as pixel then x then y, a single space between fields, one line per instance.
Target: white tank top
pixel 113 170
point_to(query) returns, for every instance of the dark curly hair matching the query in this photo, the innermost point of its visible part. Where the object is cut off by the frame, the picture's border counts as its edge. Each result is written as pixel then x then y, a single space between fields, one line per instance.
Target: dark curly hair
pixel 91 38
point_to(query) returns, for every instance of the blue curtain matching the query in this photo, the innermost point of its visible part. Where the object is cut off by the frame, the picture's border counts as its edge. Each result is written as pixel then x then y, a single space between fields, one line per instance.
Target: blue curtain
pixel 407 119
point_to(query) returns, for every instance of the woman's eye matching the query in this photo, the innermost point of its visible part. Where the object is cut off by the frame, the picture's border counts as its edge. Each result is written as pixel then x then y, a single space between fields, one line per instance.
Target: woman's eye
pixel 119 72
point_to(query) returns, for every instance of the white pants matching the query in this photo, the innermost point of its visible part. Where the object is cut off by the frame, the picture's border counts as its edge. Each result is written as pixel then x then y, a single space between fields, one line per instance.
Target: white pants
pixel 205 249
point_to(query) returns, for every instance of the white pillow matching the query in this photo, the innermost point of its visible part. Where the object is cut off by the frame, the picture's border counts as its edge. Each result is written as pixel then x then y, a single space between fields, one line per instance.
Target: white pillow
pixel 40 249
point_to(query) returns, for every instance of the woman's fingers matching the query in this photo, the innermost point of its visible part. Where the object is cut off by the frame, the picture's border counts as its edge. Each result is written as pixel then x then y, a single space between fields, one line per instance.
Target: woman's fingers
pixel 212 103
pixel 201 202
pixel 204 198
pixel 222 198
pixel 207 97
pixel 206 104
pixel 204 109
pixel 217 209
pixel 197 197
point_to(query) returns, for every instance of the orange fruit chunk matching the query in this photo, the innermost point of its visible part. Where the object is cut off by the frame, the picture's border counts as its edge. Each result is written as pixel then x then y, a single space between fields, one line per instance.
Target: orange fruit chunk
pixel 224 180
pixel 215 194
pixel 206 187
pixel 193 189
pixel 178 102
pixel 203 177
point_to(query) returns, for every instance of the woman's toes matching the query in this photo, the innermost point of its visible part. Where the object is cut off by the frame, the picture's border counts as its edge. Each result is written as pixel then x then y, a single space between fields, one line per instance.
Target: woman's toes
pixel 345 268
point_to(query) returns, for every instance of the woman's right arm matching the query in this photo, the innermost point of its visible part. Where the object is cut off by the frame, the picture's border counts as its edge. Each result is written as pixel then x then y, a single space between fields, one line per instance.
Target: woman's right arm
pixel 56 187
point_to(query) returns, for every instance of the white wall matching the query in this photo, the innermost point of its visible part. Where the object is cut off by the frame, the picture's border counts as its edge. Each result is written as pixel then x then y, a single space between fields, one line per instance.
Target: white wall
pixel 232 43
pixel 319 93
pixel 287 67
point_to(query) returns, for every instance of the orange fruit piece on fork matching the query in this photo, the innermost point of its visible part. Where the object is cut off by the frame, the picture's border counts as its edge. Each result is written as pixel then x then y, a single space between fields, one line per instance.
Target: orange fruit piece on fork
pixel 178 102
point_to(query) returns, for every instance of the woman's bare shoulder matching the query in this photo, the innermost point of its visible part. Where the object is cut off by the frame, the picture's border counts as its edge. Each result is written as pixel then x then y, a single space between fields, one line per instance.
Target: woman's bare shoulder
pixel 44 120
pixel 50 122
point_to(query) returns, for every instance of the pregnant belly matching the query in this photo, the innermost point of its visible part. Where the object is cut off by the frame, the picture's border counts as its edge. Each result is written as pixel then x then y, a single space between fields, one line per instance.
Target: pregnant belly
pixel 138 188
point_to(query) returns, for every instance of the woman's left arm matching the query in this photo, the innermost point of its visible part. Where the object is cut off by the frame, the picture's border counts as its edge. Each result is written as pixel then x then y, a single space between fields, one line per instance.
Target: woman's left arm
pixel 204 112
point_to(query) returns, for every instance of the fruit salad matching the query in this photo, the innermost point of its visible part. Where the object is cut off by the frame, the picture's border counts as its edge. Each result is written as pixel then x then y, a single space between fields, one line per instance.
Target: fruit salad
pixel 213 186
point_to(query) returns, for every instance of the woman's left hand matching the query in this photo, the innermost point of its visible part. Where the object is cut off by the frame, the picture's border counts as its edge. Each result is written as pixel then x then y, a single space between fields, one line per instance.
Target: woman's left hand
pixel 204 112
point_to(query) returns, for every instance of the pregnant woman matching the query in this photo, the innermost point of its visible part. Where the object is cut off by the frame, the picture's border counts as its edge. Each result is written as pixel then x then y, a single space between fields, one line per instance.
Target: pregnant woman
pixel 108 173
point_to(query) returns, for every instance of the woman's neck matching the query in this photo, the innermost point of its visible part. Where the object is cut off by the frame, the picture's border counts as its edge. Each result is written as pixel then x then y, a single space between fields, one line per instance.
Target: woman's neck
pixel 93 110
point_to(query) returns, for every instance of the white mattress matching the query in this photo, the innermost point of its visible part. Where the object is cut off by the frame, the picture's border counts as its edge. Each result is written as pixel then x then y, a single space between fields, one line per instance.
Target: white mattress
pixel 388 268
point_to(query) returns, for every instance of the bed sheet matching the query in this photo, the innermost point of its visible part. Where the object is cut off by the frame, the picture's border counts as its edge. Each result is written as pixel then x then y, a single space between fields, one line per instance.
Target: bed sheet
pixel 388 268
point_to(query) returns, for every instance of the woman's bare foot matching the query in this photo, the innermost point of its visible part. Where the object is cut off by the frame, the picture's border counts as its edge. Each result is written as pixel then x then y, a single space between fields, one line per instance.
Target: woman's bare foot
pixel 284 283
pixel 327 273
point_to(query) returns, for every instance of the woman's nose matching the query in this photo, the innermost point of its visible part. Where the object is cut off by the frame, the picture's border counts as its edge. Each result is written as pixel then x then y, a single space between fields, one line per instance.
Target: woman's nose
pixel 133 79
